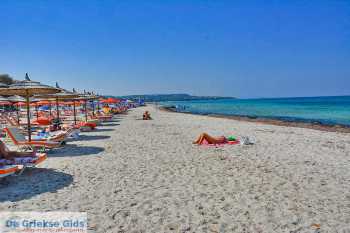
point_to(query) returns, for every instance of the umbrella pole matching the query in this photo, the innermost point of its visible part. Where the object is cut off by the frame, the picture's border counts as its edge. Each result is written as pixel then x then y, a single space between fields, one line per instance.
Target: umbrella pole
pixel 93 108
pixel 57 109
pixel 75 113
pixel 50 109
pixel 37 112
pixel 28 117
pixel 85 108
pixel 17 114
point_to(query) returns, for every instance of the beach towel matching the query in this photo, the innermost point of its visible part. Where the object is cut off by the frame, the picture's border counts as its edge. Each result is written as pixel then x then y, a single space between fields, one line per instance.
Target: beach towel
pixel 43 121
pixel 247 141
pixel 22 161
pixel 27 161
pixel 206 143
pixel 39 137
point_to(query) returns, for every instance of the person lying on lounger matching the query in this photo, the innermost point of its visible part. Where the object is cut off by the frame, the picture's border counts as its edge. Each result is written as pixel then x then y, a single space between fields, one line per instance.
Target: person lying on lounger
pixel 210 139
pixel 10 155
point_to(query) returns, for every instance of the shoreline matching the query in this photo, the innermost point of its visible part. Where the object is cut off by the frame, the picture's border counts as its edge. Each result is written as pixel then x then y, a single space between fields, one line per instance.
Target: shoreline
pixel 295 124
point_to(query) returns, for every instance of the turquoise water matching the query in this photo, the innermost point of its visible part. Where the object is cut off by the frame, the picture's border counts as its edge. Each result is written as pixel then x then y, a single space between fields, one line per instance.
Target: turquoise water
pixel 323 110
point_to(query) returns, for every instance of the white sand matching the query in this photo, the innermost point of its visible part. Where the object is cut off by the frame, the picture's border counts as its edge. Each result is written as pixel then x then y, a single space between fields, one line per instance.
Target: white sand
pixel 150 178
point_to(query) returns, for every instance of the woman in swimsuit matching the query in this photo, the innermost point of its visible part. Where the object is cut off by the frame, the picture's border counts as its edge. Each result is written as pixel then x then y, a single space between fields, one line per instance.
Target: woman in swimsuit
pixel 210 139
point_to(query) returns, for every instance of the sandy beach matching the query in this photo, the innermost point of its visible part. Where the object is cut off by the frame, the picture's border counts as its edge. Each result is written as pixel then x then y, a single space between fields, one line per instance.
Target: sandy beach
pixel 132 175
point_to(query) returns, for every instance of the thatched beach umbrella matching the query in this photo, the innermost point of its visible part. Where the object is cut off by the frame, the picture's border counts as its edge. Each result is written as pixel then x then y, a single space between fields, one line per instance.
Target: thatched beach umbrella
pixel 92 97
pixel 74 108
pixel 16 99
pixel 4 101
pixel 86 97
pixel 33 103
pixel 28 88
pixel 62 95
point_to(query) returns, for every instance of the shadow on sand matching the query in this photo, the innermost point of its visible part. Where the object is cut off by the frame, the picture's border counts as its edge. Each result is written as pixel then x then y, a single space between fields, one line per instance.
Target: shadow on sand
pixel 110 124
pixel 33 182
pixel 114 120
pixel 91 137
pixel 120 116
pixel 70 150
pixel 103 130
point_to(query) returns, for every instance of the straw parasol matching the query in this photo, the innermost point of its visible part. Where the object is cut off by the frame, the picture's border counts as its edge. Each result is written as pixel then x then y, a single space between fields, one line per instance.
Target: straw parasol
pixel 28 88
pixel 94 97
pixel 74 107
pixel 86 97
pixel 4 101
pixel 62 95
pixel 17 100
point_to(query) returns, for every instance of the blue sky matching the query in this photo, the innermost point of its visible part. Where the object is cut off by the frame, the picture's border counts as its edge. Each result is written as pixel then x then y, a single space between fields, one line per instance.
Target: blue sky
pixel 232 48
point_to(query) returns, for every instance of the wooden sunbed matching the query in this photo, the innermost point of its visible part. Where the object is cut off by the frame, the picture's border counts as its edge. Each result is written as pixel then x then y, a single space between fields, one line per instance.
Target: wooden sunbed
pixel 7 170
pixel 19 139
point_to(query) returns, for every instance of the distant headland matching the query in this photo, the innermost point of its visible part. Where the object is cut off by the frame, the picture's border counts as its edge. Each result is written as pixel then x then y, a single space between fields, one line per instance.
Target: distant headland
pixel 172 97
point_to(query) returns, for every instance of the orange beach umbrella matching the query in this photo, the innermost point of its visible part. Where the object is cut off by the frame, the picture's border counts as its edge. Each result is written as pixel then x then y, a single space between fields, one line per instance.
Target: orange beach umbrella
pixel 110 100
pixel 43 102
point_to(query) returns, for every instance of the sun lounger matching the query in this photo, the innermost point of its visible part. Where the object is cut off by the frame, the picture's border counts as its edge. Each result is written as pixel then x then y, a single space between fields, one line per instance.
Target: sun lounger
pixel 7 170
pixel 26 161
pixel 85 126
pixel 20 140
pixel 101 117
pixel 13 122
pixel 58 136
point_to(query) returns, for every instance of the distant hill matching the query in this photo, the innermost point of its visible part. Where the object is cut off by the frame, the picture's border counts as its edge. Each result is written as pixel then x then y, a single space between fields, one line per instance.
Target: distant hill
pixel 172 97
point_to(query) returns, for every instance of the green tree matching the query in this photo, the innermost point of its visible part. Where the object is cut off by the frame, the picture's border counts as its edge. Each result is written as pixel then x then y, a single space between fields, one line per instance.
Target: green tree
pixel 5 78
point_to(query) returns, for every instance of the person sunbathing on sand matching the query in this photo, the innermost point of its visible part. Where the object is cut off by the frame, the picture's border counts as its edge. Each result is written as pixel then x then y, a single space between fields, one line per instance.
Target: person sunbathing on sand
pixel 210 139
pixel 11 155
pixel 146 116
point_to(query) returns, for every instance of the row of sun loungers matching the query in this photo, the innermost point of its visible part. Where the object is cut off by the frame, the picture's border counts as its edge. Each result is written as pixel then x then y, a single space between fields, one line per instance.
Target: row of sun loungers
pixel 41 141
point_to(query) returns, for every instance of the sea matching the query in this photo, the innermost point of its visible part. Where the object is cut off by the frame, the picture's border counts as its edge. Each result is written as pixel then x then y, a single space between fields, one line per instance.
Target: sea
pixel 333 110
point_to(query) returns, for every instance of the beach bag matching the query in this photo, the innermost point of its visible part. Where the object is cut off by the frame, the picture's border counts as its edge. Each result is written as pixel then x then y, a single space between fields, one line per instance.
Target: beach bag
pixel 247 141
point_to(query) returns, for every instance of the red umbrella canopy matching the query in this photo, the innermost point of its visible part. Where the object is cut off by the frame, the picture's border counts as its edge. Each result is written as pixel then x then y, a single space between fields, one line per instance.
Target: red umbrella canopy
pixel 61 103
pixel 72 103
pixel 43 102
pixel 68 103
pixel 110 101
pixel 20 104
pixel 5 103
